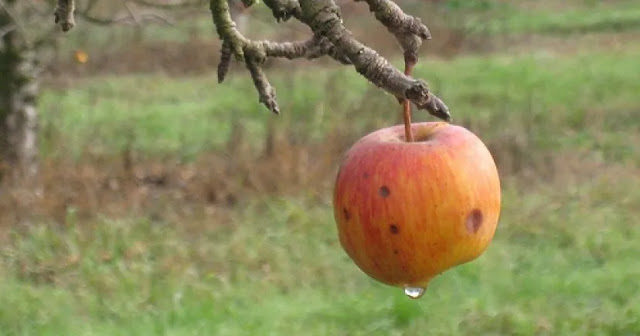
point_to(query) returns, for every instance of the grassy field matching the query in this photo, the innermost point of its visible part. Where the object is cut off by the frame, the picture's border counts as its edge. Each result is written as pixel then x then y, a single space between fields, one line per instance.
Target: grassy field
pixel 539 94
pixel 564 262
pixel 563 127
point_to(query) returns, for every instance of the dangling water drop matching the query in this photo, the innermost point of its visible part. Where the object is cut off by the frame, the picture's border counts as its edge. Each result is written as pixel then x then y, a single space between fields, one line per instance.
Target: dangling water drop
pixel 414 292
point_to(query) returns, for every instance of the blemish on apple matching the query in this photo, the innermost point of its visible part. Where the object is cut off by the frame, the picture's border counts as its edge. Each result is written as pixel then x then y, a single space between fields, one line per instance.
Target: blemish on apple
pixel 474 221
pixel 346 214
pixel 384 191
pixel 394 229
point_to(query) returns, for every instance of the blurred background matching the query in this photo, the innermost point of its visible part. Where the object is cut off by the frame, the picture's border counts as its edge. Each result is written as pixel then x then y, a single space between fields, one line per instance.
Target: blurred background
pixel 165 203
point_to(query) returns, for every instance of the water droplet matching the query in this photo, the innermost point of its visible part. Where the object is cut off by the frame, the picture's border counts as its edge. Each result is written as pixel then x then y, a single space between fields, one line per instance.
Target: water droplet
pixel 414 292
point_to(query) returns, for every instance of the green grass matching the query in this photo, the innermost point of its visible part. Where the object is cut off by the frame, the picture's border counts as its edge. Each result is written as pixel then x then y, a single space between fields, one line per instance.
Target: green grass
pixel 541 95
pixel 574 18
pixel 563 262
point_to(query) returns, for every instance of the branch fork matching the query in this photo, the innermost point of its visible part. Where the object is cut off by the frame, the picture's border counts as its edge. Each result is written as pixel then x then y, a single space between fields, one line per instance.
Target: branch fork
pixel 332 38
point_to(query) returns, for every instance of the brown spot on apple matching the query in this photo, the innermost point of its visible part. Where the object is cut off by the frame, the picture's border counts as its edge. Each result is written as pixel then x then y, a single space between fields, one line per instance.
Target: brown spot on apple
pixel 346 214
pixel 384 191
pixel 395 251
pixel 365 175
pixel 394 229
pixel 474 221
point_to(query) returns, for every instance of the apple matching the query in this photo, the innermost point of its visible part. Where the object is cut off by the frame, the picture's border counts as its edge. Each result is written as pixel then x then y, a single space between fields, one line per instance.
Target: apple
pixel 408 211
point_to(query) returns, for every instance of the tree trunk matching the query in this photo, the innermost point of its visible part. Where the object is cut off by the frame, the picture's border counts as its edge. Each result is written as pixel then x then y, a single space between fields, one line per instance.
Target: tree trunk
pixel 19 88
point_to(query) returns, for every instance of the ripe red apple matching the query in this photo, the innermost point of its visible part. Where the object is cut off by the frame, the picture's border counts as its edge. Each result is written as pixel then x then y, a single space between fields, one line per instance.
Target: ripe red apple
pixel 407 211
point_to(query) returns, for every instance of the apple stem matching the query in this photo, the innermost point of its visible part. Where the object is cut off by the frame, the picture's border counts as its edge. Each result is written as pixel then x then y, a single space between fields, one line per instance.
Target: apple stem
pixel 409 62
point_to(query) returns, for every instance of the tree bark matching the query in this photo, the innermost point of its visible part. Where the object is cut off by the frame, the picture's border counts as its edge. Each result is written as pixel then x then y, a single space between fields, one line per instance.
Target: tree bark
pixel 19 88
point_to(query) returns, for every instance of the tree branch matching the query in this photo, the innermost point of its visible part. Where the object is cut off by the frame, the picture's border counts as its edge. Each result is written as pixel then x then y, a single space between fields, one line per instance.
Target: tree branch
pixel 332 38
pixel 254 53
pixel 131 17
pixel 244 50
pixel 323 17
pixel 408 30
pixel 64 14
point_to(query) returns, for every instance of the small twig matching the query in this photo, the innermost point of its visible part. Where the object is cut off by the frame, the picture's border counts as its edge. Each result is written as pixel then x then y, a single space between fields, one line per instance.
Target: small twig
pixel 245 50
pixel 64 14
pixel 126 19
pixel 265 90
pixel 225 61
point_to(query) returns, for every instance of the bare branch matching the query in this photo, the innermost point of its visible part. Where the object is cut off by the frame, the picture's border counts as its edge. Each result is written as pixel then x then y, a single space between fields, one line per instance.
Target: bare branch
pixel 66 10
pixel 131 17
pixel 265 89
pixel 254 53
pixel 250 52
pixel 323 17
pixel 437 107
pixel 315 47
pixel 64 14
pixel 408 30
pixel 331 38
pixel 225 61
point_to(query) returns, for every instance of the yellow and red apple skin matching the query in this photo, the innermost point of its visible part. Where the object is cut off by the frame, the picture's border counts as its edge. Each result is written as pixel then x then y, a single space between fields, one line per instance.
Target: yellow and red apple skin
pixel 407 212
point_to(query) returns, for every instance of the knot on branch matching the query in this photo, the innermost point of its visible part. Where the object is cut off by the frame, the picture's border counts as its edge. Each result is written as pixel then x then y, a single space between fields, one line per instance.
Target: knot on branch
pixel 322 46
pixel 256 52
pixel 283 10
pixel 418 92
